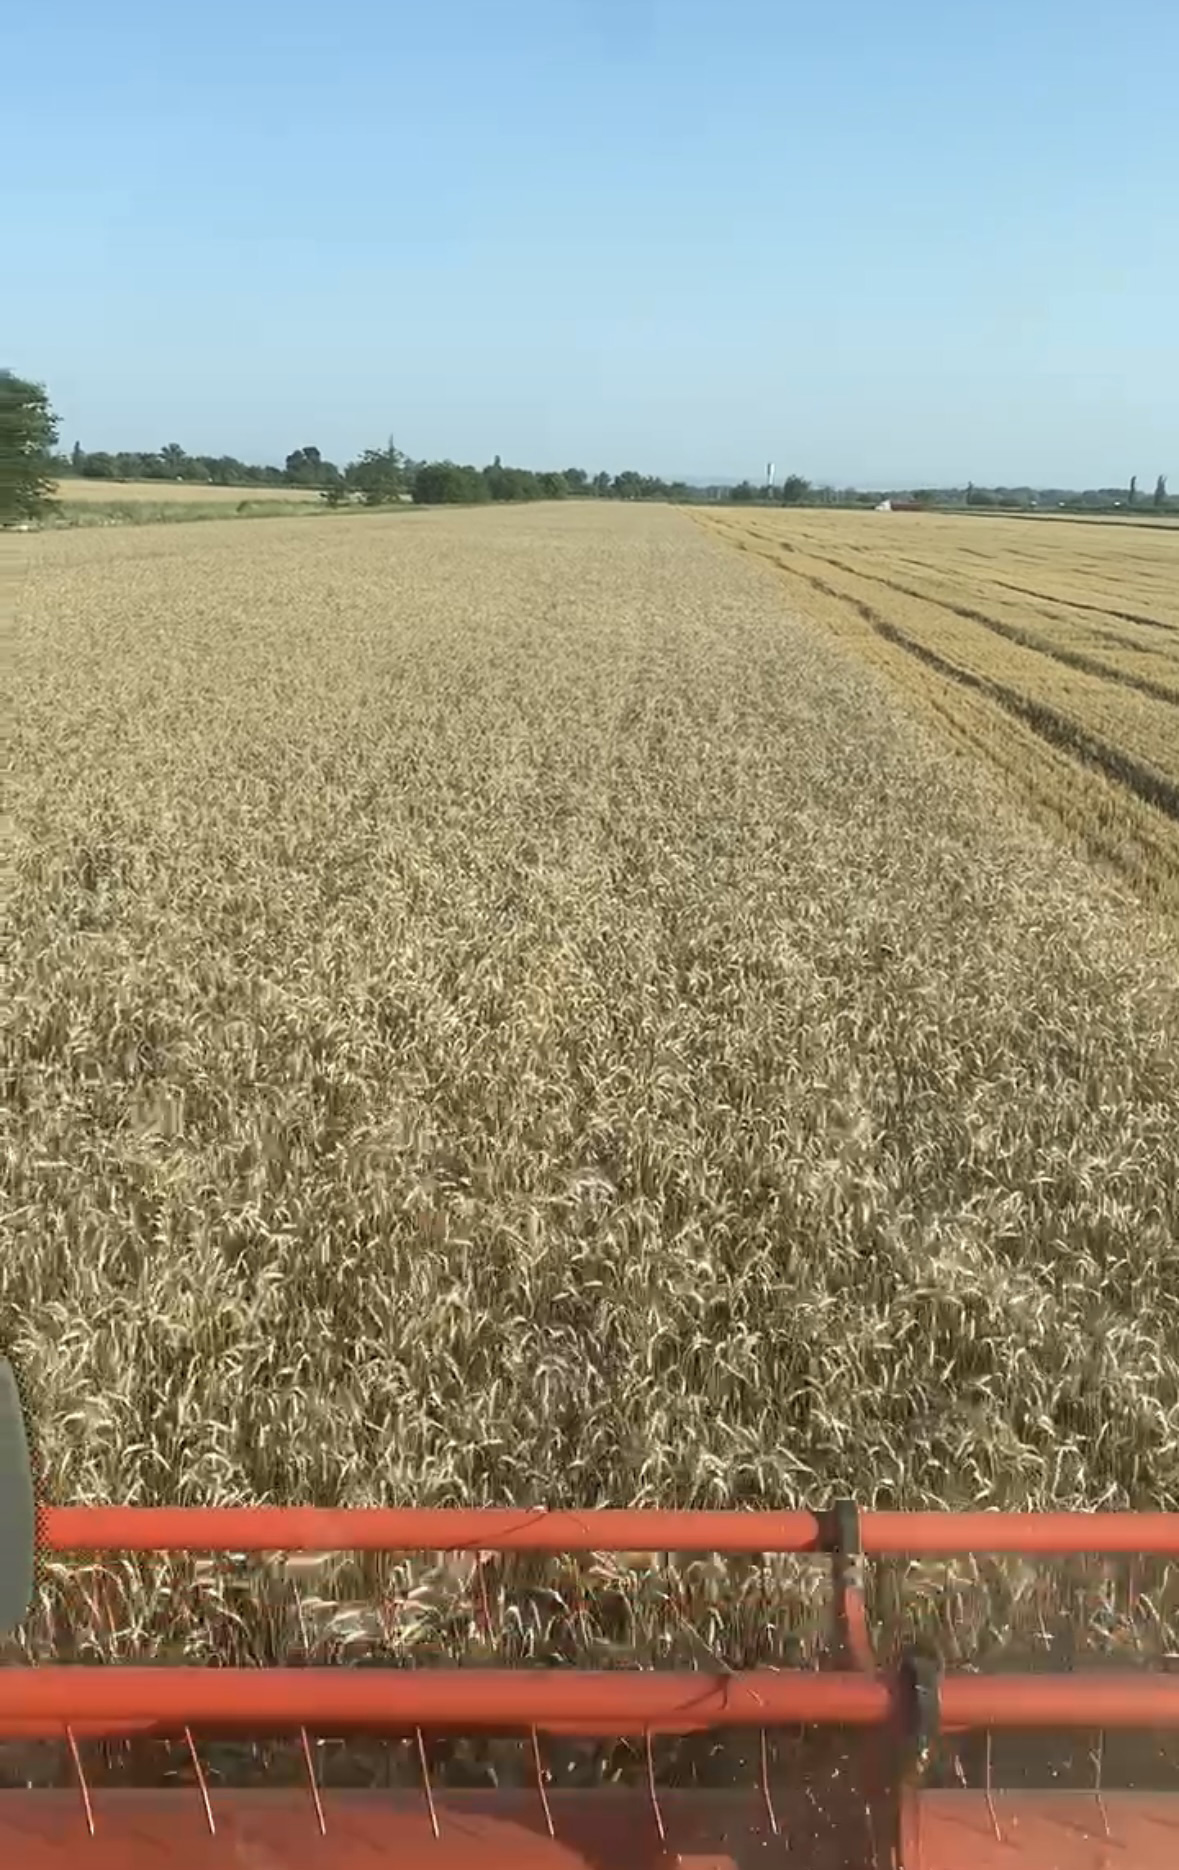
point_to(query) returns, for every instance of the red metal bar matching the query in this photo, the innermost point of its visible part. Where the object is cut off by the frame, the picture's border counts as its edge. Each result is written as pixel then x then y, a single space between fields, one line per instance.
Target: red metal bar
pixel 617 1701
pixel 409 1529
pixel 1121 1698
pixel 507 1529
pixel 1049 1535
pixel 331 1700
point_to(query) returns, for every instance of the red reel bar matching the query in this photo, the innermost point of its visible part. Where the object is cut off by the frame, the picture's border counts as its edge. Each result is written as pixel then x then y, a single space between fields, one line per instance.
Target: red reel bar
pixel 331 1700
pixel 76 1529
pixel 573 1701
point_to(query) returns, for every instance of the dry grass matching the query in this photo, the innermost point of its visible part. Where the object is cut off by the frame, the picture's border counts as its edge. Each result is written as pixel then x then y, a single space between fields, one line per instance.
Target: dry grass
pixel 81 492
pixel 1052 650
pixel 499 1010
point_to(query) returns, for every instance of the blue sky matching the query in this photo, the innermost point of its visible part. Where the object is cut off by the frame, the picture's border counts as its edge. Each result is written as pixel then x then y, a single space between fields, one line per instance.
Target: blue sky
pixel 887 244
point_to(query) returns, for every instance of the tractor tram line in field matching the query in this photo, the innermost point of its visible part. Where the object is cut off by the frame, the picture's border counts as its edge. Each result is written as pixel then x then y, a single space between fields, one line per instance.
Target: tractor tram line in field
pixel 1026 639
pixel 1100 610
pixel 1109 713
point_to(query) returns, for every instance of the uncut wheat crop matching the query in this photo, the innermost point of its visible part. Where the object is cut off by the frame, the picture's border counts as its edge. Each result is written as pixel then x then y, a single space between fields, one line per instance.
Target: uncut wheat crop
pixel 1049 649
pixel 80 492
pixel 501 1008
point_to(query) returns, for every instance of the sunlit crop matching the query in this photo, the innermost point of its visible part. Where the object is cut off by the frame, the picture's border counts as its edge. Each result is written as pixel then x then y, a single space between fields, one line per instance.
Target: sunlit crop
pixel 504 1008
pixel 1050 648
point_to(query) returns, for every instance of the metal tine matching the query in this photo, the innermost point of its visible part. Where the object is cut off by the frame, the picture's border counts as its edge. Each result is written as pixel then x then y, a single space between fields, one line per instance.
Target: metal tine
pixel 1099 1765
pixel 309 1762
pixel 994 1816
pixel 201 1781
pixel 429 1790
pixel 538 1764
pixel 579 1602
pixel 485 1613
pixel 652 1793
pixel 766 1793
pixel 83 1788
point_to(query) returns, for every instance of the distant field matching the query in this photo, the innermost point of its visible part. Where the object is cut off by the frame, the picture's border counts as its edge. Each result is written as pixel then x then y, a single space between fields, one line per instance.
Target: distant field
pixel 1135 516
pixel 110 492
pixel 1051 650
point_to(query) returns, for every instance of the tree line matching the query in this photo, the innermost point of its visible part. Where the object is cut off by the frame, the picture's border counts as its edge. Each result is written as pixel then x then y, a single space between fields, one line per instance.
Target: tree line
pixel 30 465
pixel 795 491
pixel 377 476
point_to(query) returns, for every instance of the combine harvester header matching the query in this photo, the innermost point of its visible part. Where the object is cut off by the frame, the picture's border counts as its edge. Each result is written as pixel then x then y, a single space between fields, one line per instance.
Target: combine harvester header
pixel 873 1810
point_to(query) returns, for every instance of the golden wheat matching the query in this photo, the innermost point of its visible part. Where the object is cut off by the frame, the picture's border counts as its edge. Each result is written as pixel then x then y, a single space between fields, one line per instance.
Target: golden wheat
pixel 1051 649
pixel 130 492
pixel 503 1010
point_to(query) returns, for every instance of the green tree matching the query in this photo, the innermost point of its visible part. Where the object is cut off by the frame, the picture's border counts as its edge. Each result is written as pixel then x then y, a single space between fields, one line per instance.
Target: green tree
pixel 744 492
pixel 445 483
pixel 378 476
pixel 794 490
pixel 510 483
pixel 304 467
pixel 1160 491
pixel 28 435
pixel 223 470
pixel 173 459
pixel 1133 488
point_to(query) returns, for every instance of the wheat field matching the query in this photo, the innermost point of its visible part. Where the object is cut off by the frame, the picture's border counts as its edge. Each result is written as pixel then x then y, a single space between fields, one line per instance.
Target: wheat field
pixel 524 1008
pixel 81 492
pixel 1050 650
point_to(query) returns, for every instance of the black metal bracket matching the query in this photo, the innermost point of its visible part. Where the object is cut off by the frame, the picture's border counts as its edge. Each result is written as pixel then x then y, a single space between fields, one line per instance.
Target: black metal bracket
pixel 919 1699
pixel 18 1506
pixel 843 1539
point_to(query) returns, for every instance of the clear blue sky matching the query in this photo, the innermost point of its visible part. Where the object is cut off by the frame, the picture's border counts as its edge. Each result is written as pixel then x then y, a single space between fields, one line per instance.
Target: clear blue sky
pixel 882 243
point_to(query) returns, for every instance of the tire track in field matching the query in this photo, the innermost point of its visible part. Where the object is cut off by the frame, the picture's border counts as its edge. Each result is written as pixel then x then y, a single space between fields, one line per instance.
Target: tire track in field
pixel 1059 730
pixel 1100 610
pixel 1022 590
pixel 1024 639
